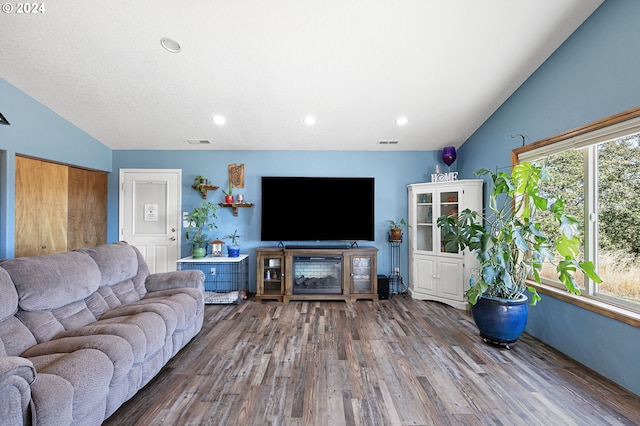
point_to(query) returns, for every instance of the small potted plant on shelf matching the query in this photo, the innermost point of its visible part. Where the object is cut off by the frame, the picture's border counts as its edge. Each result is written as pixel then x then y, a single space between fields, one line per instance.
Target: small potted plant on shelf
pixel 200 219
pixel 395 228
pixel 228 194
pixel 201 184
pixel 234 248
pixel 511 249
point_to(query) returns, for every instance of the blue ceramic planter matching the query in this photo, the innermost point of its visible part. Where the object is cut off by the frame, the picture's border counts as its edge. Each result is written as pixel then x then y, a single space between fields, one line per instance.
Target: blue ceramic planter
pixel 234 251
pixel 501 321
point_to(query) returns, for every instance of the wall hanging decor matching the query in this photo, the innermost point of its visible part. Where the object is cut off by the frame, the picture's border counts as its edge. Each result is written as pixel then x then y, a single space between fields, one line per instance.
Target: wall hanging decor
pixel 236 175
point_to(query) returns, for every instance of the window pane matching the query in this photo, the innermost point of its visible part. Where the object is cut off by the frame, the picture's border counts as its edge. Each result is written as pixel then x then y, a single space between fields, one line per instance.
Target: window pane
pixel 567 181
pixel 619 218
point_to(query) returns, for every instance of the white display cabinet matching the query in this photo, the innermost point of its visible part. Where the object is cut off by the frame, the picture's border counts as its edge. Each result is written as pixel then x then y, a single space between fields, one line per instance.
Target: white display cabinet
pixel 434 273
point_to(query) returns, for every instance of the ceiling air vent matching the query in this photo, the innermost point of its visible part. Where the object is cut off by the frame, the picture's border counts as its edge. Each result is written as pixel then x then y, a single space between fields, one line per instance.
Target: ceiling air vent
pixel 199 141
pixel 387 142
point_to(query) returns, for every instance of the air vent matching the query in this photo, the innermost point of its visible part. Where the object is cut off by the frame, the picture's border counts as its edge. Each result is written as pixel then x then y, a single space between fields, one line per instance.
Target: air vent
pixel 387 142
pixel 199 141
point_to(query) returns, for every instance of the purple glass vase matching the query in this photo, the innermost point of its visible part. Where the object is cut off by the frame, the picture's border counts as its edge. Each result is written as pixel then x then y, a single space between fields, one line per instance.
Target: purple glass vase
pixel 449 155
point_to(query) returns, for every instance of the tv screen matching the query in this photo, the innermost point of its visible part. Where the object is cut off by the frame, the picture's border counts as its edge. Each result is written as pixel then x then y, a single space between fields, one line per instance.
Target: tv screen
pixel 317 209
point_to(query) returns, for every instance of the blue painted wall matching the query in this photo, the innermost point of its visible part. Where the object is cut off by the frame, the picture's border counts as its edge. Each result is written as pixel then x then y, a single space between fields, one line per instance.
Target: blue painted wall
pixel 37 131
pixel 594 74
pixel 392 171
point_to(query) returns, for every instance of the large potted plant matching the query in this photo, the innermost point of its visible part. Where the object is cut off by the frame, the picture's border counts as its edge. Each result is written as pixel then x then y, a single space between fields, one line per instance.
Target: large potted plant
pixel 200 219
pixel 511 248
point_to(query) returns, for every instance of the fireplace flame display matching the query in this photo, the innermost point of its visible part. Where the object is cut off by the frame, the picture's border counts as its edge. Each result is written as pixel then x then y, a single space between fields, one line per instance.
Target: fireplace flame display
pixel 317 275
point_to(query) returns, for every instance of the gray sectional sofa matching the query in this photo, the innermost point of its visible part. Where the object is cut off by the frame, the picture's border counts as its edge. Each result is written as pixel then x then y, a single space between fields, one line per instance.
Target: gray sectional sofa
pixel 81 332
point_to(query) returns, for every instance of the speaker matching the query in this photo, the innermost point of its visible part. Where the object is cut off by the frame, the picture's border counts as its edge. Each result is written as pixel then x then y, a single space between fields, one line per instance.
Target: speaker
pixel 383 287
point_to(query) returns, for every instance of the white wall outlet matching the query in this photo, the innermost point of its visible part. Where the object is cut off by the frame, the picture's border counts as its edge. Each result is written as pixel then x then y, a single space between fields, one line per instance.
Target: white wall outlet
pixel 185 222
pixel 213 271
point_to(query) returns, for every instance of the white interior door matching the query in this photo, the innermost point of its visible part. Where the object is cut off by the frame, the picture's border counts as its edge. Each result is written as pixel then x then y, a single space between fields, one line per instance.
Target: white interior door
pixel 150 201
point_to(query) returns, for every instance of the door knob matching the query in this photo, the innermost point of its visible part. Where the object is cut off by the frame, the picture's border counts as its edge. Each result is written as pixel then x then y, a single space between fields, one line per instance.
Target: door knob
pixel 173 238
pixel 173 229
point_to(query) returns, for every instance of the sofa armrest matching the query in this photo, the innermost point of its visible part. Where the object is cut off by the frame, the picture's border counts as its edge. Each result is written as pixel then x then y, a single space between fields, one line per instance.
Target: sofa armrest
pixel 17 366
pixel 175 279
pixel 16 376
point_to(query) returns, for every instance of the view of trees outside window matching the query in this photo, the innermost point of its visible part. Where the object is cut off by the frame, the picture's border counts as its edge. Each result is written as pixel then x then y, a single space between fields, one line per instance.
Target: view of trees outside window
pixel 619 217
pixel 618 207
pixel 567 180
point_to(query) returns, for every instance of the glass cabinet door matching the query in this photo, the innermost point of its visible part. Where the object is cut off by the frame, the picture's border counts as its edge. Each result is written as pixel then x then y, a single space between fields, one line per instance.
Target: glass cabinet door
pixel 272 275
pixel 424 221
pixel 361 274
pixel 449 201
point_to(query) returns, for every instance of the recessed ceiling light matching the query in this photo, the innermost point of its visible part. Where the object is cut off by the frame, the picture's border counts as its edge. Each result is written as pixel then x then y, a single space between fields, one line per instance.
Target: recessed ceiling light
pixel 170 45
pixel 388 142
pixel 309 120
pixel 199 141
pixel 219 120
pixel 401 121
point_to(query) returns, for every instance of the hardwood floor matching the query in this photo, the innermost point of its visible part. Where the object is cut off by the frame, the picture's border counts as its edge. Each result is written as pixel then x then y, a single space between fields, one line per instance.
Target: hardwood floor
pixel 392 362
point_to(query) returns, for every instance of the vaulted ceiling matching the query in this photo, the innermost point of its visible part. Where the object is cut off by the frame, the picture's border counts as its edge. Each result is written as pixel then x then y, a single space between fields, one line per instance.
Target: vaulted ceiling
pixel 356 66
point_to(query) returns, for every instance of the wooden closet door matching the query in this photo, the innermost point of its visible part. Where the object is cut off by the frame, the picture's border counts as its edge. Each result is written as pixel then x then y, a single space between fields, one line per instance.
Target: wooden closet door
pixel 87 226
pixel 41 207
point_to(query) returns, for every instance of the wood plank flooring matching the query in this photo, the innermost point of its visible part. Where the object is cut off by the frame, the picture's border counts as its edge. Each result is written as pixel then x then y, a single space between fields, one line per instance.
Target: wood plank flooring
pixel 392 362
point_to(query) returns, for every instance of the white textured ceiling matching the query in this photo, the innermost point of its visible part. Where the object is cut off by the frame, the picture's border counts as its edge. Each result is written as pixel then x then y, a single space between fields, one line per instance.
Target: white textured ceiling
pixel 355 65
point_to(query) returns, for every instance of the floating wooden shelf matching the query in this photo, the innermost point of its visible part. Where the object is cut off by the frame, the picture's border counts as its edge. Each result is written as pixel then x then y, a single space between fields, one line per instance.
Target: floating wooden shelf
pixel 235 206
pixel 207 187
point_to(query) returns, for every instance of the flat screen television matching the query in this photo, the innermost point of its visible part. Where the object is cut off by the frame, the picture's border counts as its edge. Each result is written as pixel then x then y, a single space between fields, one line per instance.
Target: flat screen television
pixel 318 209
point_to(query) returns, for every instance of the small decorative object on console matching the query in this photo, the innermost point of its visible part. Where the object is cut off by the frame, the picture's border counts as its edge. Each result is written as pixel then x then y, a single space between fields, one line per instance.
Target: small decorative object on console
pixel 228 194
pixel 449 155
pixel 216 247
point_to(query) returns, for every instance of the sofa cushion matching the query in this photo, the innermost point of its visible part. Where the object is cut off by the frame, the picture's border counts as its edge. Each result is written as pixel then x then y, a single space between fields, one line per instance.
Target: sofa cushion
pixel 51 400
pixel 167 314
pixel 42 324
pixel 185 304
pixel 89 371
pixel 145 332
pixel 15 337
pixel 120 262
pixel 52 281
pixel 17 375
pixel 120 293
pixel 9 299
pixel 116 348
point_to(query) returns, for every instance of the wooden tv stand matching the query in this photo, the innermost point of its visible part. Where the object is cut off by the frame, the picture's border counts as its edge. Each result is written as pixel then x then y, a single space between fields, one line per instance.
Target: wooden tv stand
pixel 277 267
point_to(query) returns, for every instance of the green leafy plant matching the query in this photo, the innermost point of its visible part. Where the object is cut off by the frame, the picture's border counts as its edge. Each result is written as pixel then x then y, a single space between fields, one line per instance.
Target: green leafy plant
pixel 234 238
pixel 401 224
pixel 200 183
pixel 200 219
pixel 511 246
